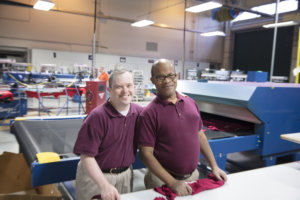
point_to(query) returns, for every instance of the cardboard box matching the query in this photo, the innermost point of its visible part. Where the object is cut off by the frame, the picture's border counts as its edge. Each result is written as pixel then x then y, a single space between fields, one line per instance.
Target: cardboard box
pixel 15 181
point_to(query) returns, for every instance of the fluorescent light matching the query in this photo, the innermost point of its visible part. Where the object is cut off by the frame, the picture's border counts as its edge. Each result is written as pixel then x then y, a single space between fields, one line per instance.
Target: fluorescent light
pixel 43 5
pixel 281 24
pixel 245 16
pixel 142 23
pixel 283 7
pixel 213 33
pixel 203 7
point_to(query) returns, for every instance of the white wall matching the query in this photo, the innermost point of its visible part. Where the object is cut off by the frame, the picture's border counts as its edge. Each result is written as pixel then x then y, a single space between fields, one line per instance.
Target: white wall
pixel 64 31
pixel 109 62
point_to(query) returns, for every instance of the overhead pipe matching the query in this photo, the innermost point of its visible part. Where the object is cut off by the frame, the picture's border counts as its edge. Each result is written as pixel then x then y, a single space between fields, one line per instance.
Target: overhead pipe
pixel 183 47
pixel 274 41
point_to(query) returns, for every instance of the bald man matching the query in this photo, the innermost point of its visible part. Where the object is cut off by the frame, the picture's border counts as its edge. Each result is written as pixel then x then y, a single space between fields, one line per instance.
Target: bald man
pixel 170 136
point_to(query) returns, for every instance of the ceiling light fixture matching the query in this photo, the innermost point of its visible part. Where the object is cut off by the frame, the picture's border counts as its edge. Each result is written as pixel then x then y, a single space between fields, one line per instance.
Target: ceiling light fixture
pixel 213 33
pixel 283 7
pixel 281 24
pixel 142 23
pixel 203 7
pixel 45 5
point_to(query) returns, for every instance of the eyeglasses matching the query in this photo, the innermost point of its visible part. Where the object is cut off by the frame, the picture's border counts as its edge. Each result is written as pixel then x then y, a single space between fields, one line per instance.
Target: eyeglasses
pixel 162 77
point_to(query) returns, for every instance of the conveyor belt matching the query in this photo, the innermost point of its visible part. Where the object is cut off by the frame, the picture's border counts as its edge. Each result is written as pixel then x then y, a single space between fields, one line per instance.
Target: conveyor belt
pixel 59 136
pixel 36 136
pixel 226 127
pixel 211 134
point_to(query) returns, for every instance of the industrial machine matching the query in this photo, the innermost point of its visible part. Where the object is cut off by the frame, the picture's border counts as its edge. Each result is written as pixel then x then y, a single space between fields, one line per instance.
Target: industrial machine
pixel 33 77
pixel 266 109
pixel 95 94
pixel 42 84
pixel 13 102
pixel 271 109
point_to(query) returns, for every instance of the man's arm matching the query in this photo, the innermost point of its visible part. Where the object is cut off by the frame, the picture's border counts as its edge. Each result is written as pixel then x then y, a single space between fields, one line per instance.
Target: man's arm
pixel 179 187
pixel 209 157
pixel 92 168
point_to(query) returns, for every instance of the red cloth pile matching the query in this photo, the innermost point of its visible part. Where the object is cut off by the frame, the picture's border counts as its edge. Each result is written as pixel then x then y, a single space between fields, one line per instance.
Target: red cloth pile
pixel 197 186
pixel 226 126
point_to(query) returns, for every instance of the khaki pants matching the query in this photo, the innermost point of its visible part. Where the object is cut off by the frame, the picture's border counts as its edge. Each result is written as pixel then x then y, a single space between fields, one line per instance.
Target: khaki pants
pixel 151 180
pixel 86 188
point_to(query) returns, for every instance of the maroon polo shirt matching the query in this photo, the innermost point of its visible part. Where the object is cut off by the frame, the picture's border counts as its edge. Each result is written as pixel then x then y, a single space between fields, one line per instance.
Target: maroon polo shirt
pixel 108 136
pixel 172 130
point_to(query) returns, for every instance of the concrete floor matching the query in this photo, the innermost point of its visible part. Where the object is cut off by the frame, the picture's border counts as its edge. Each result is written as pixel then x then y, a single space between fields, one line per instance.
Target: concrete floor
pixel 8 141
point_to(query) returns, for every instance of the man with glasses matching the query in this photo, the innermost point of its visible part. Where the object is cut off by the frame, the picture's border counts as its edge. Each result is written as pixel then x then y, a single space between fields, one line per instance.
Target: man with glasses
pixel 169 135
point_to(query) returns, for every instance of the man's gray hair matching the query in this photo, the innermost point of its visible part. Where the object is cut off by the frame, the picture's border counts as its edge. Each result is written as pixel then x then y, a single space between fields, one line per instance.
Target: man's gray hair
pixel 114 73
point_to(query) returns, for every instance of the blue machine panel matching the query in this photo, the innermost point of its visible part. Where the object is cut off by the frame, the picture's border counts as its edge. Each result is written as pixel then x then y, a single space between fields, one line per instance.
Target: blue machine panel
pixel 273 107
pixel 257 76
pixel 278 108
pixel 54 172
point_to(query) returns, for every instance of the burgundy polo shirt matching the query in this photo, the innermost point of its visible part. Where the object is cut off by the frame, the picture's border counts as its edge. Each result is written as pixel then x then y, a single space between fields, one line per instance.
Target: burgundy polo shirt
pixel 172 130
pixel 108 136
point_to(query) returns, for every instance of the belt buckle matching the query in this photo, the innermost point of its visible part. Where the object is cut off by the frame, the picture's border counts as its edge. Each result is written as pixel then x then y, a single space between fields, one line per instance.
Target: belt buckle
pixel 186 176
pixel 110 171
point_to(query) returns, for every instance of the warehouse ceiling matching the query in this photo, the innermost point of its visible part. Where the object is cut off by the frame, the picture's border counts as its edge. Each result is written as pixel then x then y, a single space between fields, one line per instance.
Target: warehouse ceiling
pixel 106 9
pixel 69 26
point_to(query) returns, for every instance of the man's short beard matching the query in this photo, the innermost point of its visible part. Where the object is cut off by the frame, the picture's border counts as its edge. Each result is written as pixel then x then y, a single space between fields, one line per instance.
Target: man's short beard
pixel 166 96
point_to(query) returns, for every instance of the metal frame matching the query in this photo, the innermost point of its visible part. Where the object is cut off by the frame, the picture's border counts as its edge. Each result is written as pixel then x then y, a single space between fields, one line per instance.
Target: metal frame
pixel 224 146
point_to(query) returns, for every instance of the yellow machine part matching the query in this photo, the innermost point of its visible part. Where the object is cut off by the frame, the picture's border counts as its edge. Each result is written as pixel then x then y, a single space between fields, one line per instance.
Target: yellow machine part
pixel 47 157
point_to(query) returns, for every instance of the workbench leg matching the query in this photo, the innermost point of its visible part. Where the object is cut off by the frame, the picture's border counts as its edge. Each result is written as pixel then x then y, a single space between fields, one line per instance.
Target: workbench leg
pixel 269 161
pixel 297 156
pixel 221 161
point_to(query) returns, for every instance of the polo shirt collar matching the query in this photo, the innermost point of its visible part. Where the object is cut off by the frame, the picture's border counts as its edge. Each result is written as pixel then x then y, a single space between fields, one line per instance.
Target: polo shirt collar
pixel 112 112
pixel 166 102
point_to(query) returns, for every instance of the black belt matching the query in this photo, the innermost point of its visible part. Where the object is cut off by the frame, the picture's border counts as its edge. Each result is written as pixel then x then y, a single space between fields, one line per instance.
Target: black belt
pixel 116 170
pixel 181 177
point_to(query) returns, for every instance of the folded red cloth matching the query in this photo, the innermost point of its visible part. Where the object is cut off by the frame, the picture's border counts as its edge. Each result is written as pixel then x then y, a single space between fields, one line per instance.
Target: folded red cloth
pixel 197 186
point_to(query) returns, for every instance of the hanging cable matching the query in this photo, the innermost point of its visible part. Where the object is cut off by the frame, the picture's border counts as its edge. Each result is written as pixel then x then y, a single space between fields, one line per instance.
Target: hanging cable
pixel 94 41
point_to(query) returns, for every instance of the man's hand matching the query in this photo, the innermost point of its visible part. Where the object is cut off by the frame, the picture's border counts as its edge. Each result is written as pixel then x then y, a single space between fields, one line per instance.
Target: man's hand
pixel 109 192
pixel 181 188
pixel 219 174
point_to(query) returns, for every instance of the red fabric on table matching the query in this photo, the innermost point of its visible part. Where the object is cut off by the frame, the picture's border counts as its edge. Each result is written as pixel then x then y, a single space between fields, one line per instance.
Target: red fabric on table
pixel 71 93
pixel 197 186
pixel 6 94
pixel 34 94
